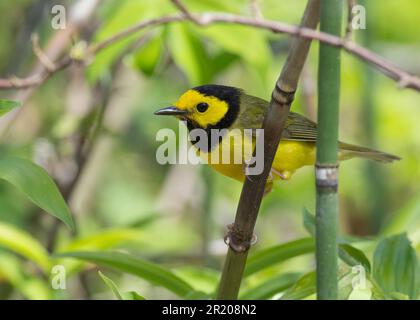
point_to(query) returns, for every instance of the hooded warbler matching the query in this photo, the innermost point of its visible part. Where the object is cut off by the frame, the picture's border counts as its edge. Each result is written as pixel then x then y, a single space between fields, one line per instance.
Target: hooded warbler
pixel 220 107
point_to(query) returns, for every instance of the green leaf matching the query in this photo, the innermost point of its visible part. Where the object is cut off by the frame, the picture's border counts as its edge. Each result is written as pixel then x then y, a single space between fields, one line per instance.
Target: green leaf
pixel 111 285
pixel 132 295
pixel 188 53
pixel 353 256
pixel 308 221
pixel 303 288
pixel 147 57
pixel 306 285
pixel 270 287
pixel 7 105
pixel 24 244
pixel 146 270
pixel 349 254
pixel 35 183
pixel 250 44
pixel 200 278
pixel 274 255
pixel 103 240
pixel 395 266
pixel 13 271
pixel 124 15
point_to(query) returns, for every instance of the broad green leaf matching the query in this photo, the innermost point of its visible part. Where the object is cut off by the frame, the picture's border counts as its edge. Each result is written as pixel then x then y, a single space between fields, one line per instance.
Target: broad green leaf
pixel 274 255
pixel 146 270
pixel 147 57
pixel 132 295
pixel 395 266
pixel 111 285
pixel 24 244
pixel 35 183
pixel 188 53
pixel 303 288
pixel 308 221
pixel 399 296
pixel 200 278
pixel 13 271
pixel 270 287
pixel 125 15
pixel 250 44
pixel 349 254
pixel 197 295
pixel 103 240
pixel 377 292
pixel 7 105
pixel 353 256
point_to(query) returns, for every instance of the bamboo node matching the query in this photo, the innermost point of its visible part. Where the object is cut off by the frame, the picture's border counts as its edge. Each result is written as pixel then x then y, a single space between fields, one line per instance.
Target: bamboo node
pixel 236 240
pixel 326 175
pixel 281 96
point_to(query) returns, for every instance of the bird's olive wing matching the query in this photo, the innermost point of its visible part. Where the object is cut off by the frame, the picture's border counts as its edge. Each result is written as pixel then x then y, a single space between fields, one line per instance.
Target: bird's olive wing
pixel 252 113
pixel 299 128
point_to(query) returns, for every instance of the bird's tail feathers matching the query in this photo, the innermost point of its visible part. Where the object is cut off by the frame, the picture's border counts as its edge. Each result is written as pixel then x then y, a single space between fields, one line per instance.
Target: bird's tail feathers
pixel 351 151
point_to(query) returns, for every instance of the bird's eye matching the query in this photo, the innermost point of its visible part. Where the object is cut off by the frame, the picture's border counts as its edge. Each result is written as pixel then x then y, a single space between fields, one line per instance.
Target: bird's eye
pixel 202 107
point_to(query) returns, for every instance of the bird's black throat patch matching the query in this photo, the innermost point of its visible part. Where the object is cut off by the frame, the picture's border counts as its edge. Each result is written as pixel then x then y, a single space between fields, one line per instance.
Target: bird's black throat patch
pixel 232 96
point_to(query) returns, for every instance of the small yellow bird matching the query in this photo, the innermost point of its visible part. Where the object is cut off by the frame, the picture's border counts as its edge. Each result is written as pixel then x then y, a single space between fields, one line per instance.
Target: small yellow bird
pixel 222 107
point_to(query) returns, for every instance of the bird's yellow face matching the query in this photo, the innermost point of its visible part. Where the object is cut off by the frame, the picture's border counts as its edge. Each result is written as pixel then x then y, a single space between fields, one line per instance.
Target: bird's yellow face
pixel 201 109
pixel 206 107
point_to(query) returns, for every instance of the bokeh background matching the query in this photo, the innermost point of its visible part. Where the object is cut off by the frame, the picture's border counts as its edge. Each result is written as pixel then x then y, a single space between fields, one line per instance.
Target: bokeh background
pixel 92 128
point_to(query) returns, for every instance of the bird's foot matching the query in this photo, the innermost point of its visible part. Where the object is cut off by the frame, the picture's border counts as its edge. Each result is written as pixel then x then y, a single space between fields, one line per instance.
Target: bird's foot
pixel 245 165
pixel 284 175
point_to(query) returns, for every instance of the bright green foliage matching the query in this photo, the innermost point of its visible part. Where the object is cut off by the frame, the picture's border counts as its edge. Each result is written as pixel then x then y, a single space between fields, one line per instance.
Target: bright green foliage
pixel 395 266
pixel 189 53
pixel 270 287
pixel 25 245
pixel 35 183
pixel 111 285
pixel 139 267
pixel 7 105
pixel 271 256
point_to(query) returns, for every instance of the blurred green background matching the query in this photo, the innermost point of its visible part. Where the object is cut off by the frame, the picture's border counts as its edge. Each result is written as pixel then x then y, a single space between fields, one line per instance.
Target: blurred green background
pixel 93 129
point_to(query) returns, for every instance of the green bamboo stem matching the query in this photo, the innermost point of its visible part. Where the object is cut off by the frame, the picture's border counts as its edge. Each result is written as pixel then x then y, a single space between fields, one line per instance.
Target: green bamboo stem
pixel 327 162
pixel 240 234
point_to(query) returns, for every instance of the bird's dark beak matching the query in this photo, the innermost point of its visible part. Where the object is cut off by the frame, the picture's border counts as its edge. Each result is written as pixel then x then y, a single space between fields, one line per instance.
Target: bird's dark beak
pixel 171 111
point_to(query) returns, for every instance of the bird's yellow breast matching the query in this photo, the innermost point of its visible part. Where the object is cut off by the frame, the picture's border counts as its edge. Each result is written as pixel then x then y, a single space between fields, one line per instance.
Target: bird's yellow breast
pixel 290 156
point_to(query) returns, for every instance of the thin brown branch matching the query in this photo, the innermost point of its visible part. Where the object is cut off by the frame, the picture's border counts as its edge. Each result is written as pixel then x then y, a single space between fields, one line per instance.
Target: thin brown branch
pixel 41 55
pixel 403 78
pixel 253 189
pixel 186 12
pixel 34 80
